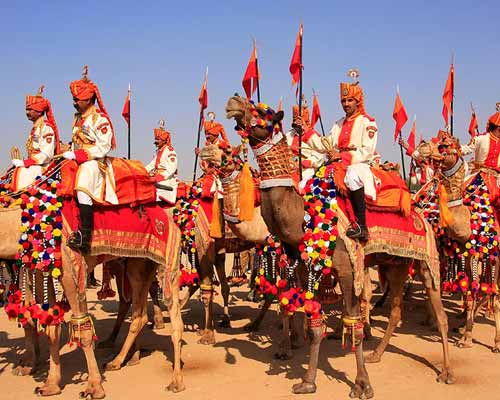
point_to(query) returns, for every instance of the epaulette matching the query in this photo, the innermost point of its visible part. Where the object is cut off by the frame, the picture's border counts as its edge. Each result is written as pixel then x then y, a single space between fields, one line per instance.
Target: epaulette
pixel 102 113
pixel 370 118
pixel 481 134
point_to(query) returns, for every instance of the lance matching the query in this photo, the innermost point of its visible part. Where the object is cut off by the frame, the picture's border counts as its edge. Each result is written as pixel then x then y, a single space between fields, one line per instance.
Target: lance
pixel 128 125
pixel 203 97
pixel 300 102
pixel 257 71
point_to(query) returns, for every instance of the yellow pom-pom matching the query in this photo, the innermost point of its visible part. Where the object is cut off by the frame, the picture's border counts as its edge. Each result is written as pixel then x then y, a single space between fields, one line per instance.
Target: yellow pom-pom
pixel 284 301
pixel 309 295
pixel 56 272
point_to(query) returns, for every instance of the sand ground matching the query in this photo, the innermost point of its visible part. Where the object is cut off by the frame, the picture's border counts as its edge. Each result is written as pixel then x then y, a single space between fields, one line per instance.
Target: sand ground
pixel 241 365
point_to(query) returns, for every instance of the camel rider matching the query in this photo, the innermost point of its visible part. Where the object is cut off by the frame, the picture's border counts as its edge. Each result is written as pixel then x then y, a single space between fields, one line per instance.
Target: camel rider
pixel 42 143
pixel 310 159
pixel 213 130
pixel 163 166
pixel 93 138
pixel 486 147
pixel 353 140
pixel 423 170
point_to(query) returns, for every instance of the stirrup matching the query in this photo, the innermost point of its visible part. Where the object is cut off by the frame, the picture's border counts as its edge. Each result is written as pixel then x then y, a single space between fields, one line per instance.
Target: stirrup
pixel 356 231
pixel 76 242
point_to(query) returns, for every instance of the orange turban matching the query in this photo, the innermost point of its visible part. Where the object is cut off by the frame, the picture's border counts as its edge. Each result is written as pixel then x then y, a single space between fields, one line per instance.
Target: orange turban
pixel 84 89
pixel 161 133
pixel 41 104
pixel 305 114
pixel 353 90
pixel 495 119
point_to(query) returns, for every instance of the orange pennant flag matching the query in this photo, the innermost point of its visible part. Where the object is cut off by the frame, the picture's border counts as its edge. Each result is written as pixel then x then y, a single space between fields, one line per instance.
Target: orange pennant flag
pixel 399 115
pixel 296 62
pixel 203 97
pixel 316 113
pixel 448 95
pixel 251 77
pixel 126 107
pixel 412 136
pixel 473 125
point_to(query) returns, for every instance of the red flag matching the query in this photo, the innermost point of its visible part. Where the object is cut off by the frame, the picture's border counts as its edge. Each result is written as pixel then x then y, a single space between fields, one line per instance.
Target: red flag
pixel 280 105
pixel 316 113
pixel 448 95
pixel 203 98
pixel 399 115
pixel 413 133
pixel 473 126
pixel 296 63
pixel 251 77
pixel 126 108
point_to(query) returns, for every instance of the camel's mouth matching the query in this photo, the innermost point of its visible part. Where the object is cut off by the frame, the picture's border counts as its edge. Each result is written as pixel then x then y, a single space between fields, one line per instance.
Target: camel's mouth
pixel 233 113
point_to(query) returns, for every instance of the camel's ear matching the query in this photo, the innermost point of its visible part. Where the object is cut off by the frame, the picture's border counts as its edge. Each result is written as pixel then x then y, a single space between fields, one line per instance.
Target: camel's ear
pixel 278 116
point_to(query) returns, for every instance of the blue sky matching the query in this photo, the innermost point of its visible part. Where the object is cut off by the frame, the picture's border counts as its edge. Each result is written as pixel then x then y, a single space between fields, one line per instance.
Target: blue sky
pixel 162 49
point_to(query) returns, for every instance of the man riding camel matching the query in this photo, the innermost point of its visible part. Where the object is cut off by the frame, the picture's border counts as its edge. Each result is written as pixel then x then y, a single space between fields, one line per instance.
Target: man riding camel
pixel 213 130
pixel 42 143
pixel 353 140
pixel 486 147
pixel 93 138
pixel 163 166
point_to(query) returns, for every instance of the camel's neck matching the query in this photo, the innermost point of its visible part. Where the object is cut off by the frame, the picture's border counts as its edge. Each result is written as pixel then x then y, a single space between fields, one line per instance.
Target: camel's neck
pixel 453 179
pixel 275 160
pixel 231 188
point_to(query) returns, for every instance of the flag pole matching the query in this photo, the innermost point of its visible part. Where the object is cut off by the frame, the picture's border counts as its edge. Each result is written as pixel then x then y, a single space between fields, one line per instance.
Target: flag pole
pixel 200 122
pixel 452 92
pixel 300 102
pixel 257 70
pixel 320 119
pixel 129 120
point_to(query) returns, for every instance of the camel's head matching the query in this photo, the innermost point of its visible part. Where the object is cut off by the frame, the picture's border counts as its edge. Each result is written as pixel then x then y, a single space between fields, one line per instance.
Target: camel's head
pixel 256 121
pixel 225 160
pixel 212 154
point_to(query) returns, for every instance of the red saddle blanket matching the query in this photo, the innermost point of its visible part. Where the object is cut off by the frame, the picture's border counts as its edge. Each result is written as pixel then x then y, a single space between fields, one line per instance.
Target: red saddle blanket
pixel 124 231
pixel 133 185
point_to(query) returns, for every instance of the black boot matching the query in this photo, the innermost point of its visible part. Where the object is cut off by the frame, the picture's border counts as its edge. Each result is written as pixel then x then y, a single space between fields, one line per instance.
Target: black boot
pixel 358 230
pixel 80 239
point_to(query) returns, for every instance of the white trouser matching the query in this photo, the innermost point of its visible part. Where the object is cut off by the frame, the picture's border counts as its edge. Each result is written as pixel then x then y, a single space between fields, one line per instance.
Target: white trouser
pixel 358 176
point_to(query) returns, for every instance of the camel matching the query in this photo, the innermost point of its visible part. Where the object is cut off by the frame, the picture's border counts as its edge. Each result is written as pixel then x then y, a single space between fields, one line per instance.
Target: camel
pixel 283 212
pixel 141 273
pixel 451 171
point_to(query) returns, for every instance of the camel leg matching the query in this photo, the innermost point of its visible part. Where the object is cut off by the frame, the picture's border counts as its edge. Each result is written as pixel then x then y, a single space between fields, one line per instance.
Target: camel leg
pixel 254 325
pixel 220 267
pixel 466 340
pixel 191 291
pixel 123 308
pixel 51 385
pixel 496 313
pixel 154 290
pixel 285 346
pixel 207 296
pixel 141 274
pixel 434 295
pixel 396 277
pixel 29 360
pixel 177 384
pixel 366 298
pixel 295 333
pixel 78 305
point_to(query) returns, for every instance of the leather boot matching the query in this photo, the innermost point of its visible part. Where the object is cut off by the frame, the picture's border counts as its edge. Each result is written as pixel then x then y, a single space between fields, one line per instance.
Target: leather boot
pixel 80 239
pixel 358 230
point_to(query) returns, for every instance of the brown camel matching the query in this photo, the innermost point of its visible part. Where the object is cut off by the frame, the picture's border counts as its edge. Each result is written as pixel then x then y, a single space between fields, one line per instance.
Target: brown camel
pixel 451 170
pixel 283 212
pixel 141 273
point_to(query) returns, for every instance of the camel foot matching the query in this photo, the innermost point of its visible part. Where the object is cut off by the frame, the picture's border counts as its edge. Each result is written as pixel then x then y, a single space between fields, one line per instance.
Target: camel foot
pixel 304 388
pixel 93 391
pixel 446 377
pixel 48 389
pixel 362 390
pixel 135 359
pixel 112 366
pixel 373 358
pixel 207 337
pixel 106 344
pixel 464 343
pixel 496 349
pixel 176 387
pixel 225 322
pixel 22 370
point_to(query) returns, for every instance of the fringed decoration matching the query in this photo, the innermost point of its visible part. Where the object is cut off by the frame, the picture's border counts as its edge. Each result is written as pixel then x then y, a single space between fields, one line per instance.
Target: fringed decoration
pixel 78 325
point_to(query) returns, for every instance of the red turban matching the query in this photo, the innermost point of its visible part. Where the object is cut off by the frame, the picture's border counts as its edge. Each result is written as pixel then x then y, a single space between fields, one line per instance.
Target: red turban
pixel 41 104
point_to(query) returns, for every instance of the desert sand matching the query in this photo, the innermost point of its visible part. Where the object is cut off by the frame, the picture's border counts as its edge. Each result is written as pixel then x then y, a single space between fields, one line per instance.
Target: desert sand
pixel 241 365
